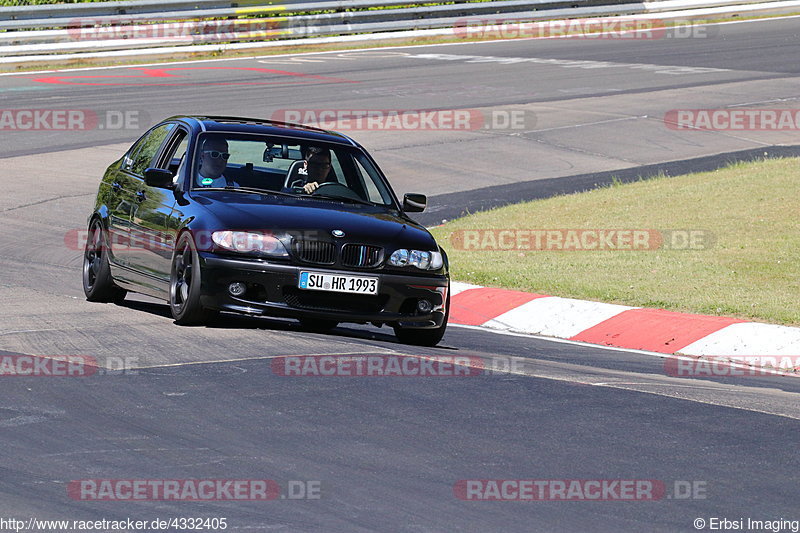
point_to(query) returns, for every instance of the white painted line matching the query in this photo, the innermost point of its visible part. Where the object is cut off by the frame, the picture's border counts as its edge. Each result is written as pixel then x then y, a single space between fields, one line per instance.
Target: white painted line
pixel 571 63
pixel 572 126
pixel 261 358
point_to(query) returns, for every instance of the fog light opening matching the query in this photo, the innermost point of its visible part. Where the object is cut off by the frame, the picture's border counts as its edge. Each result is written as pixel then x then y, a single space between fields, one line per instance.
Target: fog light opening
pixel 424 307
pixel 237 288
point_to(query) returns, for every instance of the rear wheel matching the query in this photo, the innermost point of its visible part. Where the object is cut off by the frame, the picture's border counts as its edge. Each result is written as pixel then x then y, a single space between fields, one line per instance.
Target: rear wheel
pixel 317 324
pixel 424 337
pixel 184 285
pixel 98 285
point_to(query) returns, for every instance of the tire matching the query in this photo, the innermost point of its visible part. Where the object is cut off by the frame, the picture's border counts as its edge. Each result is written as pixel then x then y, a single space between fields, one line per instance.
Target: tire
pixel 98 285
pixel 424 337
pixel 184 285
pixel 318 325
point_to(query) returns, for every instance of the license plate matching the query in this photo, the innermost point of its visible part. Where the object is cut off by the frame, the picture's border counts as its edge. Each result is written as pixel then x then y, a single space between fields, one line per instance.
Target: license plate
pixel 319 281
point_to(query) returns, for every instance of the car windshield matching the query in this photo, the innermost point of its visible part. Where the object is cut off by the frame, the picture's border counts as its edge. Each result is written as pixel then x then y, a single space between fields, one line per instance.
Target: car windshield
pixel 288 166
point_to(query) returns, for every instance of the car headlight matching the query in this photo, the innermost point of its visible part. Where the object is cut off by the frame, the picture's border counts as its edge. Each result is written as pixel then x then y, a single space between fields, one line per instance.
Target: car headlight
pixel 399 258
pixel 421 259
pixel 436 261
pixel 249 242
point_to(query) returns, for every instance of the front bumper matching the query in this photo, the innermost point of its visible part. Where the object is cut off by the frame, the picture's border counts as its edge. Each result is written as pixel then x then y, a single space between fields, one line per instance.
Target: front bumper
pixel 272 290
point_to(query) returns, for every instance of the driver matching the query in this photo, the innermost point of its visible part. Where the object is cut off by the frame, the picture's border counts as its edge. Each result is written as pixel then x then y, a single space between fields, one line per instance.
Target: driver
pixel 317 167
pixel 214 157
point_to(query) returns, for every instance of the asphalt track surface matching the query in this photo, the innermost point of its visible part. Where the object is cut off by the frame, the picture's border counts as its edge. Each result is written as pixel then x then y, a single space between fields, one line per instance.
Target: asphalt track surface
pixel 205 403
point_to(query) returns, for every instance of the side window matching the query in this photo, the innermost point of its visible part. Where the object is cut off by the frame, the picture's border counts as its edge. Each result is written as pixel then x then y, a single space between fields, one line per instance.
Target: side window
pixel 175 151
pixel 370 182
pixel 148 147
pixel 336 168
pixel 373 195
pixel 129 157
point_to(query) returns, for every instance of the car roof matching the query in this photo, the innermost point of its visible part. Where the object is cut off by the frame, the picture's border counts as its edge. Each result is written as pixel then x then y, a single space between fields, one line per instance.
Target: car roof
pixel 263 126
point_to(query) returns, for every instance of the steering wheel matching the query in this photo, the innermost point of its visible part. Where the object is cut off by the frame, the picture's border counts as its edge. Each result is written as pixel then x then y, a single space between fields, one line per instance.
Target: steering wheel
pixel 330 188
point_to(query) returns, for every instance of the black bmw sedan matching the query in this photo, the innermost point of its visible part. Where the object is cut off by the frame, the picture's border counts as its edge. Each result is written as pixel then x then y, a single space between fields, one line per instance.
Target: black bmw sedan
pixel 251 216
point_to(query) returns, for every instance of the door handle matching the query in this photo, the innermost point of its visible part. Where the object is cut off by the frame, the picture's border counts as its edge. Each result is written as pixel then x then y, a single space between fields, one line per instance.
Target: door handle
pixel 140 196
pixel 116 186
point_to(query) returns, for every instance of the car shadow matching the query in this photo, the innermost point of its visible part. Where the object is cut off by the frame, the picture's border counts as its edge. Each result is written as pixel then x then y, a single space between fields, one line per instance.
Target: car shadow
pixel 152 308
pixel 235 321
pixel 360 331
pixel 244 322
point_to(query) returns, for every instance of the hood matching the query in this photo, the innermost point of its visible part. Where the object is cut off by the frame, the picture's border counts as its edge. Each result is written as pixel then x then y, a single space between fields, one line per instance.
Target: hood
pixel 360 223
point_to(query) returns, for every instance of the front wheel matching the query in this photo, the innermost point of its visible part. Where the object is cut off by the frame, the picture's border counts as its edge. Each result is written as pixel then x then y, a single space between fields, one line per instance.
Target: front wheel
pixel 424 337
pixel 184 285
pixel 98 285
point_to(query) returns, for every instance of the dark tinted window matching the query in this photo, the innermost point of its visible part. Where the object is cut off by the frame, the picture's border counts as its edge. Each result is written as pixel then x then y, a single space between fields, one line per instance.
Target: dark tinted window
pixel 145 150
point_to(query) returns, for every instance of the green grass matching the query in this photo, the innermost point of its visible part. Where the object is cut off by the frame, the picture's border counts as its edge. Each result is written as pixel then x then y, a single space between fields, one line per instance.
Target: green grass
pixel 751 271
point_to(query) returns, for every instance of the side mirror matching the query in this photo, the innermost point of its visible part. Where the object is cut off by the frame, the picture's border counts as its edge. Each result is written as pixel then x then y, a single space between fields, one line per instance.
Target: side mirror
pixel 414 203
pixel 158 177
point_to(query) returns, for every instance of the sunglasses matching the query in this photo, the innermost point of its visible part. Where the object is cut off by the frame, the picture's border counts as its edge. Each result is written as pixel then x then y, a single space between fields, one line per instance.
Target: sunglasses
pixel 215 154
